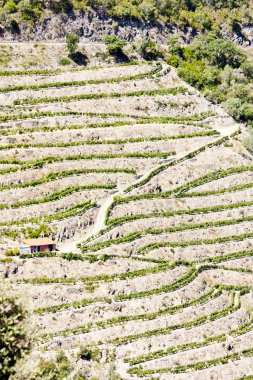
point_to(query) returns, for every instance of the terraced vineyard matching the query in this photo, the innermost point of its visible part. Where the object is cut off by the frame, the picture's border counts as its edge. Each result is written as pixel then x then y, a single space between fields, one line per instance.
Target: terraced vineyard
pixel 147 190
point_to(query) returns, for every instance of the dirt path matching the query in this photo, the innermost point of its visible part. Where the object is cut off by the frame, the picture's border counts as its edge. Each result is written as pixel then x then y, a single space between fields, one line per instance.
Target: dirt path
pixel 226 129
pixel 99 225
pixel 100 221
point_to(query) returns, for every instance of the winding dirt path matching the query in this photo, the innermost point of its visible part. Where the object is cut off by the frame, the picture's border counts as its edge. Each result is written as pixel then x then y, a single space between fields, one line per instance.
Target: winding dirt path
pixel 100 220
pixel 224 130
pixel 99 225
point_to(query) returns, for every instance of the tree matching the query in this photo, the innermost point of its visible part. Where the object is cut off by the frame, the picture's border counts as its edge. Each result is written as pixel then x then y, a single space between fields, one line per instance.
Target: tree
pixel 15 341
pixel 223 52
pixel 72 43
pixel 114 44
pixel 218 52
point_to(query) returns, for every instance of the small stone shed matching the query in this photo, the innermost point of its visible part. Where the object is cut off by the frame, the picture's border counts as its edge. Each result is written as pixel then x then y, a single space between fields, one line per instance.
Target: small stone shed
pixel 37 245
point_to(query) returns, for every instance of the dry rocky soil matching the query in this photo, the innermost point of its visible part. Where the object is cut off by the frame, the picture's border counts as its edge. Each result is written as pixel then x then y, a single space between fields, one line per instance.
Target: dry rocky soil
pixel 150 188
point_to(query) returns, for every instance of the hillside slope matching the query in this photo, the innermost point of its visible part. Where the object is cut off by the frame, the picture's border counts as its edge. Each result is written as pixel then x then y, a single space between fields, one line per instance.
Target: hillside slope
pixel 142 160
pixel 132 20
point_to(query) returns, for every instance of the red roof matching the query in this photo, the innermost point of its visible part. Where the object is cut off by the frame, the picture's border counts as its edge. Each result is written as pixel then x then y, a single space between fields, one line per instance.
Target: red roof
pixel 38 242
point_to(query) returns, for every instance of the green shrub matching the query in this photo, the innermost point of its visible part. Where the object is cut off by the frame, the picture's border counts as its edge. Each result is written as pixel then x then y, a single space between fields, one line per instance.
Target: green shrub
pixel 173 60
pixel 247 69
pixel 10 6
pixel 148 50
pixel 88 354
pixel 217 51
pixel 72 256
pixel 72 43
pixel 15 340
pixel 247 111
pixel 15 251
pixel 175 47
pixel 53 370
pixel 233 107
pixel 31 10
pixel 192 73
pixel 65 62
pixel 12 252
pixel 11 233
pixel 114 44
pixel 35 232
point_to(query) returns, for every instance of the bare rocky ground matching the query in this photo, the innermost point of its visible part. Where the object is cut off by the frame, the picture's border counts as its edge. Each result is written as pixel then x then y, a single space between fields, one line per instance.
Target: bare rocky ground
pixel 161 279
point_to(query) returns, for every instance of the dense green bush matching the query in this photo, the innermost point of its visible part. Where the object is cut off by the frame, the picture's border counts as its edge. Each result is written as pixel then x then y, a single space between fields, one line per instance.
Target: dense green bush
pixel 217 51
pixel 10 6
pixel 15 340
pixel 31 10
pixel 218 68
pixel 247 111
pixel 114 44
pixel 192 73
pixel 175 47
pixel 234 107
pixel 88 354
pixel 247 69
pixel 214 51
